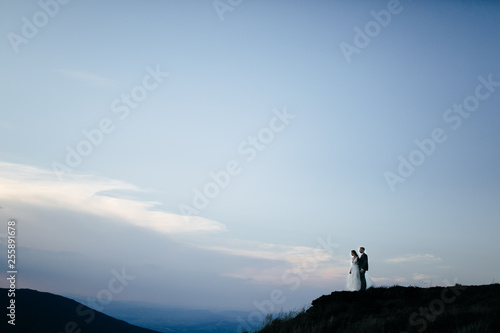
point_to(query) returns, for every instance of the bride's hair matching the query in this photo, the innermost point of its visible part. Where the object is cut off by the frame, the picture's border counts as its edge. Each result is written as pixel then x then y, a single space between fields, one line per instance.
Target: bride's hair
pixel 354 253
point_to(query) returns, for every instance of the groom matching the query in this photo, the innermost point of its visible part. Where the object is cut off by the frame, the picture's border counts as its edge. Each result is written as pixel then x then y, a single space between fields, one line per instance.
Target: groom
pixel 363 267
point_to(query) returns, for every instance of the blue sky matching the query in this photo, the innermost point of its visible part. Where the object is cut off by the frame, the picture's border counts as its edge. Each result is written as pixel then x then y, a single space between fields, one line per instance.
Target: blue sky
pixel 301 134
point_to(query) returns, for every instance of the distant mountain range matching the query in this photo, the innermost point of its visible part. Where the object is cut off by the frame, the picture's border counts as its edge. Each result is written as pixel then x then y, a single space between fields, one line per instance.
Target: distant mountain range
pixel 48 313
pixel 458 309
pixel 169 319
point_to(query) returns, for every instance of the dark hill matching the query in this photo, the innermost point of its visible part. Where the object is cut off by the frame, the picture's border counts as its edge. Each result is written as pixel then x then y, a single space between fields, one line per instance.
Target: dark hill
pixel 48 313
pixel 460 309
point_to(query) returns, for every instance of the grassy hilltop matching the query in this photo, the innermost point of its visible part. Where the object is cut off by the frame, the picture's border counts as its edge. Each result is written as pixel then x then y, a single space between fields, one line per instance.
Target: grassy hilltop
pixel 460 309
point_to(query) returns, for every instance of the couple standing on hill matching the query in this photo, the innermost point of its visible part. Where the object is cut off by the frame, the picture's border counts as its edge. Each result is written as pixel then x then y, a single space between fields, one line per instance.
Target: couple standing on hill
pixel 357 274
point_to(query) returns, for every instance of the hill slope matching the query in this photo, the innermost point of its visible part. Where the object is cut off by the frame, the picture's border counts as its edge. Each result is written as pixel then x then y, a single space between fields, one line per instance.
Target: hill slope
pixel 44 312
pixel 460 309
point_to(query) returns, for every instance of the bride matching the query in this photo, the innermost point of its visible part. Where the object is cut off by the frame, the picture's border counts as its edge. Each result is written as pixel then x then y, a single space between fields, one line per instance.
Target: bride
pixel 353 279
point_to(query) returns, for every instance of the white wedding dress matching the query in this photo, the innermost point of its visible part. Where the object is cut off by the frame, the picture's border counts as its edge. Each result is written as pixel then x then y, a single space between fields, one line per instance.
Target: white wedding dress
pixel 353 279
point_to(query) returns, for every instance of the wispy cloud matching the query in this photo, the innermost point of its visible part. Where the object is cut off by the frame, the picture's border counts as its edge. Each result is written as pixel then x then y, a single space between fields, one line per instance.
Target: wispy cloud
pixel 91 78
pixel 444 267
pixel 6 125
pixel 316 264
pixel 34 186
pixel 421 258
pixel 26 187
pixel 388 280
pixel 295 255
pixel 112 198
pixel 419 277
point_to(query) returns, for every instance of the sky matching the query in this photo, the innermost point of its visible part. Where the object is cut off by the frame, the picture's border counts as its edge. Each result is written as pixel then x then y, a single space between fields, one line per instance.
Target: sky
pixel 230 154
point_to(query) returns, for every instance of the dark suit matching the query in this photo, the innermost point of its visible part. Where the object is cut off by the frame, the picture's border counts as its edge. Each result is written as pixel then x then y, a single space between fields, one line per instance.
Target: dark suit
pixel 363 265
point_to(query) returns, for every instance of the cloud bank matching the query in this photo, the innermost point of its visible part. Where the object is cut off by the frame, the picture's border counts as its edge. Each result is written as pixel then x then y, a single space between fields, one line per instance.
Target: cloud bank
pixel 86 194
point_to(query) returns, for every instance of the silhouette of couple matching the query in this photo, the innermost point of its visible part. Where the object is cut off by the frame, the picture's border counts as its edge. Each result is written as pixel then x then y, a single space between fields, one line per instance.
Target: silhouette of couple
pixel 356 280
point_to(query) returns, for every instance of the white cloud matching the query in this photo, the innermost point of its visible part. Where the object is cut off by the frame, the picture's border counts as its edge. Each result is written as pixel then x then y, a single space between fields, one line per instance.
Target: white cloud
pixel 384 281
pixel 6 125
pixel 444 267
pixel 25 188
pixel 33 186
pixel 90 78
pixel 317 263
pixel 419 276
pixel 421 258
pixel 296 255
pixel 90 194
